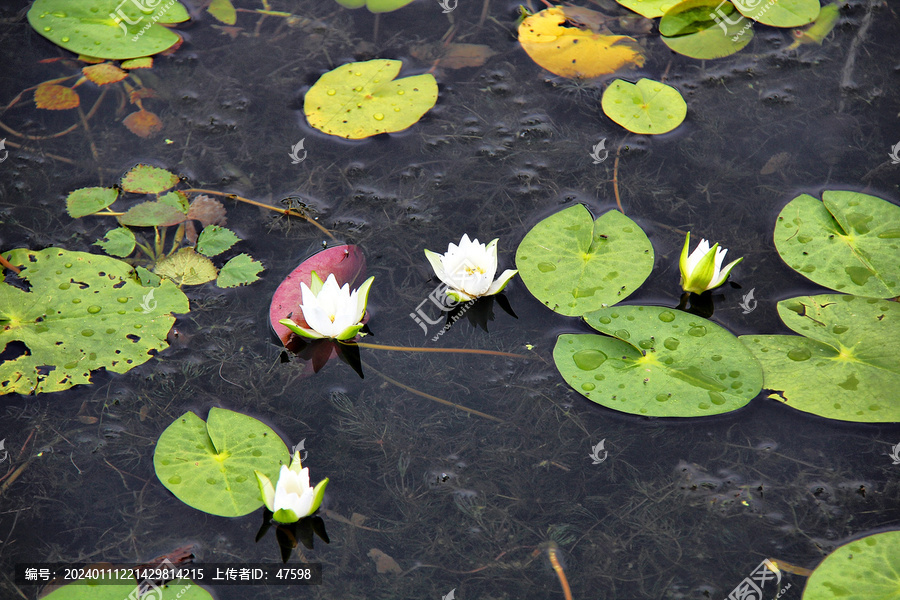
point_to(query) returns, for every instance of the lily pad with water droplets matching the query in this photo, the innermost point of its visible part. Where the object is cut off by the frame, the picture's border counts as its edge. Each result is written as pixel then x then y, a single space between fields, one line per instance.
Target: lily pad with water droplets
pixel 209 465
pixel 362 99
pixel 113 29
pixel 647 107
pixel 845 364
pixel 864 569
pixel 849 242
pixel 83 312
pixel 574 264
pixel 660 362
pixel 705 29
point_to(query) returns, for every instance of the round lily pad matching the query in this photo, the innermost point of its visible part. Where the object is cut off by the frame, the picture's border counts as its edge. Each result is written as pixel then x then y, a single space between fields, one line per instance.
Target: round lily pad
pixel 845 364
pixel 362 99
pixel 864 569
pixel 108 28
pixel 375 6
pixel 209 465
pixel 705 29
pixel 661 362
pixel 83 312
pixel 783 13
pixel 849 242
pixel 647 107
pixel 575 264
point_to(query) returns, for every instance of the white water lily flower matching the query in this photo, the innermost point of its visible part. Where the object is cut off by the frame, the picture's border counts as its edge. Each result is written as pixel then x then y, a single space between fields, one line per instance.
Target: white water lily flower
pixel 468 269
pixel 292 498
pixel 331 311
pixel 702 270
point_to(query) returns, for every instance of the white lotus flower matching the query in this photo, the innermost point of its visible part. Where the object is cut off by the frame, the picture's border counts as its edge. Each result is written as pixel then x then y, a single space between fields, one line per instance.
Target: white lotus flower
pixel 468 269
pixel 702 270
pixel 292 498
pixel 331 311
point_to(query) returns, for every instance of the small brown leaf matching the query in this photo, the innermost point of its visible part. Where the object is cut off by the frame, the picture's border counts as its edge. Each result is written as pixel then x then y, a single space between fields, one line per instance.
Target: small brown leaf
pixel 138 63
pixel 141 93
pixel 104 73
pixel 50 96
pixel 207 211
pixel 383 562
pixel 143 123
pixel 453 56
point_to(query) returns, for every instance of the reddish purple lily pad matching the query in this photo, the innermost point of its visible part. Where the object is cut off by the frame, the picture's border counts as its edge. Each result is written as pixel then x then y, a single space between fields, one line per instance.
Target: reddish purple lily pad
pixel 348 265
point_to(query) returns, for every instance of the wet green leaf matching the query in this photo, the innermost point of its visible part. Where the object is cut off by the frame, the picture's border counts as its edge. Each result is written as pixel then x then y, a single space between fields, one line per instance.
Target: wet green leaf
pixel 209 465
pixel 186 267
pixel 144 179
pixel 660 362
pixel 117 242
pixel 574 264
pixel 864 569
pixel 648 107
pixel 783 13
pixel 87 201
pixel 845 364
pixel 215 240
pixel 83 312
pixel 362 99
pixel 240 270
pixel 375 6
pixel 705 29
pixel 849 242
pixel 104 29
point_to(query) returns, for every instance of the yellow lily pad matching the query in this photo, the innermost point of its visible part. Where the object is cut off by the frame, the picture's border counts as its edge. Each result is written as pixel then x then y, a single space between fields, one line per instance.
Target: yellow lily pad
pixel 553 39
pixel 362 99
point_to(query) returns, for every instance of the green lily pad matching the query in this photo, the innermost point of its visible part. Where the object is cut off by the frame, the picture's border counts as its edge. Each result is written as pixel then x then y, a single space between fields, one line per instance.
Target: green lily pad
pixel 649 8
pixel 108 28
pixel 87 201
pixel 362 99
pixel 375 6
pixel 215 240
pixel 783 13
pixel 575 264
pixel 705 29
pixel 240 270
pixel 103 589
pixel 661 362
pixel 845 366
pixel 83 312
pixel 152 214
pixel 648 107
pixel 849 242
pixel 864 569
pixel 209 465
pixel 186 267
pixel 144 179
pixel 117 242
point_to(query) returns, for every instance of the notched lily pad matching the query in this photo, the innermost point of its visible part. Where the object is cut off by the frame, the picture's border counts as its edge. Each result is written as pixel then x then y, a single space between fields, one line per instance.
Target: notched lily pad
pixel 574 264
pixel 844 365
pixel 647 107
pixel 186 267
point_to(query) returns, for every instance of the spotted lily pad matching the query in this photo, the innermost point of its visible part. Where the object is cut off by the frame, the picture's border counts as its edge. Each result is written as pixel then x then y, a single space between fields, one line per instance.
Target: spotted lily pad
pixel 575 264
pixel 849 242
pixel 660 362
pixel 375 6
pixel 83 312
pixel 362 99
pixel 145 179
pixel 783 13
pixel 209 465
pixel 647 107
pixel 113 29
pixel 705 29
pixel 845 364
pixel 864 569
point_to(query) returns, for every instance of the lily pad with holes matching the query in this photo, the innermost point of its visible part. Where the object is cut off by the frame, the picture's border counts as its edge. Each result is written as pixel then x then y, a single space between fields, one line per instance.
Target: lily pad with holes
pixel 186 267
pixel 108 28
pixel 705 29
pixel 574 264
pixel 647 107
pixel 864 569
pixel 144 179
pixel 209 465
pixel 362 99
pixel 109 588
pixel 849 242
pixel 375 6
pixel 240 270
pixel 845 364
pixel 83 312
pixel 659 362
pixel 783 13
pixel 87 201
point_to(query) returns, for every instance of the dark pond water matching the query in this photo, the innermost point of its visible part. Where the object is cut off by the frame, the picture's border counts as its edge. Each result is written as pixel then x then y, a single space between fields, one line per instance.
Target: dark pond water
pixel 679 509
